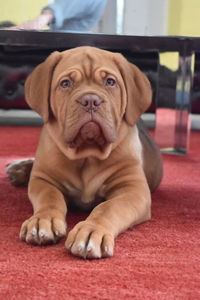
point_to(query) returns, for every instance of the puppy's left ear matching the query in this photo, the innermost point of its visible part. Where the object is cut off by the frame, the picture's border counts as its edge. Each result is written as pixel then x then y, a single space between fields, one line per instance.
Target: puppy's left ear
pixel 138 90
pixel 38 85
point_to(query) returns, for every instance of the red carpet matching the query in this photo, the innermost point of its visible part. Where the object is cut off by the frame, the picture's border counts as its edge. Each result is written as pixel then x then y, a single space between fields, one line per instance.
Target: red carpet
pixel 156 260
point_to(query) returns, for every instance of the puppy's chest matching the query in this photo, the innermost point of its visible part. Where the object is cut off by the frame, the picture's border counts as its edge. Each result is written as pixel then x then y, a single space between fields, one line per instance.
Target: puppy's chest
pixel 84 197
pixel 85 187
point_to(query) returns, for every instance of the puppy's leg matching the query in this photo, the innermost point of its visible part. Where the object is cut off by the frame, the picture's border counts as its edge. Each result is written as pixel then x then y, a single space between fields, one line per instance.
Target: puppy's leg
pixel 47 225
pixel 19 172
pixel 128 204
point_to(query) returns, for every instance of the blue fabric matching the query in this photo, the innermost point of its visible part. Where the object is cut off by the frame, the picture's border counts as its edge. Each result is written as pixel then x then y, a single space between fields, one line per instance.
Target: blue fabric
pixel 76 15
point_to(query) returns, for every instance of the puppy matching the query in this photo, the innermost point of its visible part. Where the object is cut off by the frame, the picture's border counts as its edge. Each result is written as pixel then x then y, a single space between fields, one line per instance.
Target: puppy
pixel 93 150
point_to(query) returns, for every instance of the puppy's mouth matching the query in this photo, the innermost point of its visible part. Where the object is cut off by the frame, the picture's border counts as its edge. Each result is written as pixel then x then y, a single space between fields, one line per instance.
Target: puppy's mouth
pixel 90 134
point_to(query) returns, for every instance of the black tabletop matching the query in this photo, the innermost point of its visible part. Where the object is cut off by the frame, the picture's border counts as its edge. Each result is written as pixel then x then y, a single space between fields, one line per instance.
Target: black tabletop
pixel 64 40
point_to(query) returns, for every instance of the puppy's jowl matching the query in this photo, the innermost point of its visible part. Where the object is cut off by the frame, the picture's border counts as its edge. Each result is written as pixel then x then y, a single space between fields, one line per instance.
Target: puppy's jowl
pixel 92 148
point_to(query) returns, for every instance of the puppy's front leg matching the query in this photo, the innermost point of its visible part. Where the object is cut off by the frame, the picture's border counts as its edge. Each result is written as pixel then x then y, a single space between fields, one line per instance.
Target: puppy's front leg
pixel 128 204
pixel 47 225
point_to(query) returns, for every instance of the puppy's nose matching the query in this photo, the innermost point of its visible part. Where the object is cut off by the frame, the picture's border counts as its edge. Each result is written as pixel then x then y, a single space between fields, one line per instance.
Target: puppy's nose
pixel 90 102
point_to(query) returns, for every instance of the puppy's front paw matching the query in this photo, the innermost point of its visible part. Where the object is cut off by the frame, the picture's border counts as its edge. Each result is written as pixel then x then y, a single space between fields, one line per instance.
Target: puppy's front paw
pixel 43 229
pixel 90 240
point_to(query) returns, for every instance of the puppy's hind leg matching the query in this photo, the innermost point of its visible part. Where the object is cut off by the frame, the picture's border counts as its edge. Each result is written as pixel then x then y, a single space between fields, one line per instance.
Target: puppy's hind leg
pixel 19 172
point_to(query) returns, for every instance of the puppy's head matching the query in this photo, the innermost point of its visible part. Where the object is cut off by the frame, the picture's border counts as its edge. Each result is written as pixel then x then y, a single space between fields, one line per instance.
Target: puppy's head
pixel 90 94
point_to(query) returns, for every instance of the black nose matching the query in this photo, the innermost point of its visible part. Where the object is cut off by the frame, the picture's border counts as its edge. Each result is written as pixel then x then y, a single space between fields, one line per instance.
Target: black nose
pixel 90 102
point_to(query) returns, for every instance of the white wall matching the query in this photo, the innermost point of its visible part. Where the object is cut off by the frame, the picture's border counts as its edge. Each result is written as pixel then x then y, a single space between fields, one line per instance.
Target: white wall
pixel 145 17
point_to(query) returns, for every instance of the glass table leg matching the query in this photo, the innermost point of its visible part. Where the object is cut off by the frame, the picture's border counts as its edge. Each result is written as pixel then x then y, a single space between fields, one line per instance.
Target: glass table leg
pixel 173 106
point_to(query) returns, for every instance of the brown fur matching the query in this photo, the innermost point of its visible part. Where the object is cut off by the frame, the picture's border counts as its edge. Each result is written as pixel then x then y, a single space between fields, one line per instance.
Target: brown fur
pixel 111 162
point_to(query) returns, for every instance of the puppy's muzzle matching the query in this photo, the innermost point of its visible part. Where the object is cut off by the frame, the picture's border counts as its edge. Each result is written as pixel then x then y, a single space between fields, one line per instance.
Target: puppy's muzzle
pixel 90 102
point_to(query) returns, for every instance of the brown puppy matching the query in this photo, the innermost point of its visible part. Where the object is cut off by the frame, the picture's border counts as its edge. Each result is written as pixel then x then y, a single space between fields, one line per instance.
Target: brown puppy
pixel 90 150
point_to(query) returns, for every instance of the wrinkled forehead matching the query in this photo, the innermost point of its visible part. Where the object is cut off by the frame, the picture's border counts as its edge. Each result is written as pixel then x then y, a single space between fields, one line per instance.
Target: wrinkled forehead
pixel 86 61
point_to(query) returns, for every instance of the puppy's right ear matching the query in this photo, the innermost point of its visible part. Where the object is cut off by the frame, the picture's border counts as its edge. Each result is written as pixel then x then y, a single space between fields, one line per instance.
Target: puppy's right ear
pixel 38 86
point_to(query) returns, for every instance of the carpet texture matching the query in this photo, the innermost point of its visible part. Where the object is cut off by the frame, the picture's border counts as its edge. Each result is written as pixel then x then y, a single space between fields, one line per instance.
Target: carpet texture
pixel 159 259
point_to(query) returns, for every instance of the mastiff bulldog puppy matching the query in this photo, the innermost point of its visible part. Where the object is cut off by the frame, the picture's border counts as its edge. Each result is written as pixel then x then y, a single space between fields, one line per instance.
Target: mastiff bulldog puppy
pixel 93 151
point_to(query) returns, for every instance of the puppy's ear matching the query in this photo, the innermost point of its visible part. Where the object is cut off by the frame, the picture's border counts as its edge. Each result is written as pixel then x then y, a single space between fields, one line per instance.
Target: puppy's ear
pixel 38 85
pixel 138 90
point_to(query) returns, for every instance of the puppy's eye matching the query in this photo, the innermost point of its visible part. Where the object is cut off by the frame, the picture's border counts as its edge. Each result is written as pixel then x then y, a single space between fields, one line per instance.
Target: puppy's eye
pixel 110 81
pixel 66 83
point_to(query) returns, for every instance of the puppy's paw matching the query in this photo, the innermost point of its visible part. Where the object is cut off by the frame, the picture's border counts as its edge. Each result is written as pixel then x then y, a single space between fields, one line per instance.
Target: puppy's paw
pixel 19 171
pixel 43 229
pixel 90 240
